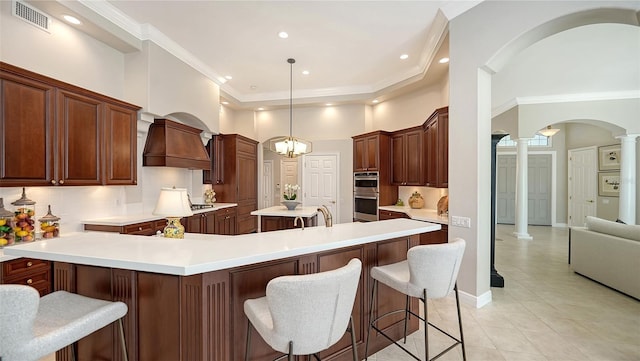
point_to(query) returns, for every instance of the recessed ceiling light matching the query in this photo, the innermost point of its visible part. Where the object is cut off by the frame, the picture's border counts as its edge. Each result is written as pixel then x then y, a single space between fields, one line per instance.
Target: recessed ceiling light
pixel 283 35
pixel 443 60
pixel 328 104
pixel 224 102
pixel 375 101
pixel 260 108
pixel 404 56
pixel 253 87
pixel 228 77
pixel 305 72
pixel 72 19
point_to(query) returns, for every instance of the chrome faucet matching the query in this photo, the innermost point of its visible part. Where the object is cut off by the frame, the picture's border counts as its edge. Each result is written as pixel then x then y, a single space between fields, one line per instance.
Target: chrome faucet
pixel 295 222
pixel 328 220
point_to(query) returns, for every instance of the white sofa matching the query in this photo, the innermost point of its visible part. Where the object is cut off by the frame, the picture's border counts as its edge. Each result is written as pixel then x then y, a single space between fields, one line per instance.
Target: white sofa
pixel 608 252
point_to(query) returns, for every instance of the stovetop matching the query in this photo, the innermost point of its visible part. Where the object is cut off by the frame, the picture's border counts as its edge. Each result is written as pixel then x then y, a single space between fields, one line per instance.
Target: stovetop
pixel 200 206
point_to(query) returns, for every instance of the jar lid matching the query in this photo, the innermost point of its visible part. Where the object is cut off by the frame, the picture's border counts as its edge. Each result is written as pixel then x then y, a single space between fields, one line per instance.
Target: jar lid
pixel 49 217
pixel 3 212
pixel 24 201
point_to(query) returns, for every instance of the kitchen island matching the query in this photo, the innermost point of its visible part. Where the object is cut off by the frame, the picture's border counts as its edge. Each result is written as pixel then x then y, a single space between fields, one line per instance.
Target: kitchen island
pixel 277 218
pixel 185 297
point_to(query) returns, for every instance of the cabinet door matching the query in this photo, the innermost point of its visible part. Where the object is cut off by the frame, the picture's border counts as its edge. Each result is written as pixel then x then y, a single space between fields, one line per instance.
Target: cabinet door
pixel 80 130
pixel 443 150
pixel 120 145
pixel 215 149
pixel 209 223
pixel 192 224
pixel 413 157
pixel 398 164
pixel 359 153
pixel 26 132
pixel 430 154
pixel 371 153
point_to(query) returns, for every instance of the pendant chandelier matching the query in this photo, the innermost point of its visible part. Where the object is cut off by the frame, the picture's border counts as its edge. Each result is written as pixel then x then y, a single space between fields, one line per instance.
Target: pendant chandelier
pixel 548 131
pixel 289 146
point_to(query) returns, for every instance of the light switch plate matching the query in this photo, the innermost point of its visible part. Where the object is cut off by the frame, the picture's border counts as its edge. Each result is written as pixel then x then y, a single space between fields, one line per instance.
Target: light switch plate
pixel 464 222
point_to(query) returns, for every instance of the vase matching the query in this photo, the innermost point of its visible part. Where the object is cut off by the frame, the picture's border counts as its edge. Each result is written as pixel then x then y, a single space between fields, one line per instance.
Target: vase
pixel 291 205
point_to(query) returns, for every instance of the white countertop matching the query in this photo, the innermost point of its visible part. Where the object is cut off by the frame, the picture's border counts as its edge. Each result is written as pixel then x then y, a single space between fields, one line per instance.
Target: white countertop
pixel 125 220
pixel 421 214
pixel 282 211
pixel 199 253
pixel 4 257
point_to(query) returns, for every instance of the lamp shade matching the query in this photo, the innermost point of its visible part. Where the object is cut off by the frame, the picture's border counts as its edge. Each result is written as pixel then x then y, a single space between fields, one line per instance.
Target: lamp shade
pixel 173 202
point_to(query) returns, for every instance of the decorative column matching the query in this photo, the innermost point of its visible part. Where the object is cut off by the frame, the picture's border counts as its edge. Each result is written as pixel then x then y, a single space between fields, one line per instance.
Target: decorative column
pixel 522 188
pixel 496 279
pixel 628 185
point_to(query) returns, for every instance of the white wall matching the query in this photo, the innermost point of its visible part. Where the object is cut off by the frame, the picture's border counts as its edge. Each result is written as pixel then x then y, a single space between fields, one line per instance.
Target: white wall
pixel 408 110
pixel 64 54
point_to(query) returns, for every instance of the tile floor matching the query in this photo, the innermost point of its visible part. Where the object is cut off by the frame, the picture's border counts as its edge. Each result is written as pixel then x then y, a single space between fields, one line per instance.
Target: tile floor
pixel 544 312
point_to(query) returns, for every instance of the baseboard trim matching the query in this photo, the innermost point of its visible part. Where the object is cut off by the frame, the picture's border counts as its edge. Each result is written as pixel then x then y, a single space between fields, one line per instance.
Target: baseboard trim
pixel 475 301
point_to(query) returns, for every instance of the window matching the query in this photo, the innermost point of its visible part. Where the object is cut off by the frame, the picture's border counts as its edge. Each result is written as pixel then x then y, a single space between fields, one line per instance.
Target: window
pixel 537 141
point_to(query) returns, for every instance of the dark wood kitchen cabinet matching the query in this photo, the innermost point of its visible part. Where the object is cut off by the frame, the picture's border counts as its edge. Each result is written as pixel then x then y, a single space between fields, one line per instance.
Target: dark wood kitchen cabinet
pixel 406 157
pixel 436 149
pixel 225 221
pixel 384 214
pixel 371 152
pixel 200 223
pixel 53 133
pixel 216 154
pixel 240 169
pixel 27 271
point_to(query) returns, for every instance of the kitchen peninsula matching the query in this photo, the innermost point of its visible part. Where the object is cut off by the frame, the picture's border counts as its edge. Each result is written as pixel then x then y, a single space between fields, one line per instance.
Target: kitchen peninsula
pixel 185 297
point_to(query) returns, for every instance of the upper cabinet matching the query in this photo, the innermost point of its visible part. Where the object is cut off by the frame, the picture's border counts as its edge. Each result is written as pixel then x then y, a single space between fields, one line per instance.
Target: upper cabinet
pixel 53 133
pixel 216 154
pixel 436 149
pixel 406 157
pixel 371 152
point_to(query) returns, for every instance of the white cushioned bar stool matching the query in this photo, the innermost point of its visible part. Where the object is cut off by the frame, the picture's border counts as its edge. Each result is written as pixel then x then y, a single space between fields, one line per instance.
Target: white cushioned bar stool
pixel 32 327
pixel 305 314
pixel 429 272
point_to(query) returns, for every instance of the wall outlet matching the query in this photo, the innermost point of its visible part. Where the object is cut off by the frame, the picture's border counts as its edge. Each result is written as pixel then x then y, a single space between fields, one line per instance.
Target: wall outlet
pixel 461 221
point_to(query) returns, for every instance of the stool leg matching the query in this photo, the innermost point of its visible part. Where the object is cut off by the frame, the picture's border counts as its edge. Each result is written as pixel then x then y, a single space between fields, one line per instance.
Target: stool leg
pixel 426 326
pixel 290 358
pixel 373 292
pixel 125 357
pixel 352 330
pixel 464 354
pixel 248 347
pixel 406 316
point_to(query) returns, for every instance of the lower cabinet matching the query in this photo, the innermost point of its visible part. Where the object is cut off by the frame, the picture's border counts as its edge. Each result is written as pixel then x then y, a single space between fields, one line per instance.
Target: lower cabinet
pixel 204 223
pixel 383 214
pixel 441 236
pixel 149 228
pixel 225 221
pixel 275 223
pixel 27 271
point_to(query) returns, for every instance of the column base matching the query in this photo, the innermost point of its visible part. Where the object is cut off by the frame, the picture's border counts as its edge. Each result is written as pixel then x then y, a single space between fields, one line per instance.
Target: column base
pixel 496 279
pixel 522 236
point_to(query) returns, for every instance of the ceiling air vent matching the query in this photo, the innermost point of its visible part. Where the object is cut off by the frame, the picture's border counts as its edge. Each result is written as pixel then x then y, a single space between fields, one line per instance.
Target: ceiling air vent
pixel 31 15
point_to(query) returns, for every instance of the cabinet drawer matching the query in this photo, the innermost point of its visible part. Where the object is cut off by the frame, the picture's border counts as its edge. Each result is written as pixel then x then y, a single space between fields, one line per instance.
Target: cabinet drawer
pixel 144 229
pixel 22 266
pixel 391 215
pixel 226 211
pixel 41 281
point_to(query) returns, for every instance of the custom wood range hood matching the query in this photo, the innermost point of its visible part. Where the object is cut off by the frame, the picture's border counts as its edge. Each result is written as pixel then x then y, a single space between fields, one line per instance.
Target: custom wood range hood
pixel 171 144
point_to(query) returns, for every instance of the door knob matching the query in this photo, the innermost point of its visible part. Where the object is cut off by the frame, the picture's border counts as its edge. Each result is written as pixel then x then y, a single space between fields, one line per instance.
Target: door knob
pixel 590 201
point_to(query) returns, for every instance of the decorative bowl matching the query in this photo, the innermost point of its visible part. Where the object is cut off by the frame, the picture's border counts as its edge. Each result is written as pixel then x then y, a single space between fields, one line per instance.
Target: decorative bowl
pixel 291 205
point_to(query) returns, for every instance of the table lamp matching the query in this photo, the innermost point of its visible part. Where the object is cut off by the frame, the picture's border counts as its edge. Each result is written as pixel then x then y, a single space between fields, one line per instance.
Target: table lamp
pixel 173 204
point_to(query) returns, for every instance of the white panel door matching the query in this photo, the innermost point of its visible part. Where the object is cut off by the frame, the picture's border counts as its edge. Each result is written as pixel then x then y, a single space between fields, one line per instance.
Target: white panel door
pixel 583 173
pixel 320 186
pixel 267 184
pixel 288 174
pixel 539 186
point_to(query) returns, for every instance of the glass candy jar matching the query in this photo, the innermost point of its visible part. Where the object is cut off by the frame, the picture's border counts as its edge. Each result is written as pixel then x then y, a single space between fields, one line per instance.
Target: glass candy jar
pixel 49 225
pixel 7 235
pixel 24 218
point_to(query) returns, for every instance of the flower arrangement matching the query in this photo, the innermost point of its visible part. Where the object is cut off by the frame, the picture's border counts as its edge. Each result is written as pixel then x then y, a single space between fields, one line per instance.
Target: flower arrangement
pixel 290 191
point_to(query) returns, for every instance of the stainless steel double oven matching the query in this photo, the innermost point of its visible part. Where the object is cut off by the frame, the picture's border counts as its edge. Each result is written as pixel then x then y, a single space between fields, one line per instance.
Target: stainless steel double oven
pixel 365 196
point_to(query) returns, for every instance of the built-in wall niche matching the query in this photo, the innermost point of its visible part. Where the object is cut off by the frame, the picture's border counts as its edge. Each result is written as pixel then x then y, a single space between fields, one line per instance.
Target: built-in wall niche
pixel 430 195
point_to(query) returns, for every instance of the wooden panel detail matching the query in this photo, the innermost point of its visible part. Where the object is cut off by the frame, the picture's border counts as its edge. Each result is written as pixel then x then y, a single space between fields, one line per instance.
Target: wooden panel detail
pixel 64 280
pixel 308 264
pixel 125 289
pixel 159 317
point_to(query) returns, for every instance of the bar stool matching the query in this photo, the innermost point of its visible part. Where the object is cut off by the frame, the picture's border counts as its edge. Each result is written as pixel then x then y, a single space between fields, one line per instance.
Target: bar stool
pixel 305 314
pixel 33 327
pixel 429 272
